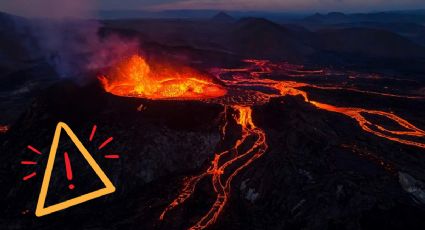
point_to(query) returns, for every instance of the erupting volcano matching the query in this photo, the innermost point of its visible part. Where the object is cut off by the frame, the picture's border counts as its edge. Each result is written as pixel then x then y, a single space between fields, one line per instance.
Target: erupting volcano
pixel 135 77
pixel 201 120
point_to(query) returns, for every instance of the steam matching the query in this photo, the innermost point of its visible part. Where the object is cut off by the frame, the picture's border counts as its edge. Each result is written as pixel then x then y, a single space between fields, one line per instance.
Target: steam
pixel 63 34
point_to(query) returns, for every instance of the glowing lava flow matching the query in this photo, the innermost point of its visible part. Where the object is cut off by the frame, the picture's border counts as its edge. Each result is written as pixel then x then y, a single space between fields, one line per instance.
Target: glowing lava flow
pixel 221 177
pixel 378 130
pixel 245 78
pixel 134 77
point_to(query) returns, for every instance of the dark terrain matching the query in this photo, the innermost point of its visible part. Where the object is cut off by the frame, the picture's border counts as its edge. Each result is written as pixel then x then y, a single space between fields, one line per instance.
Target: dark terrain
pixel 321 170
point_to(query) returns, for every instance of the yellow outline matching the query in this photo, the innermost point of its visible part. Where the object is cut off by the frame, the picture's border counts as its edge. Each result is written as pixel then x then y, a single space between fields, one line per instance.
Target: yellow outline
pixel 109 187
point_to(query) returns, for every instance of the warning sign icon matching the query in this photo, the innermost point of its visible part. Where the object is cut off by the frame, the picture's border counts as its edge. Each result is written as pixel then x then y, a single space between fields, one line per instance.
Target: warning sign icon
pixel 41 210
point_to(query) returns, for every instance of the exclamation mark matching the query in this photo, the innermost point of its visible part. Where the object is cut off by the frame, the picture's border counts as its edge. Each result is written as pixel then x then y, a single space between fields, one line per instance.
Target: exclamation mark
pixel 68 170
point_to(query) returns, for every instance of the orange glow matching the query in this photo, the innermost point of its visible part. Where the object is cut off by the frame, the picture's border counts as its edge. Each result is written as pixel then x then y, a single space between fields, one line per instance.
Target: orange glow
pixel 134 77
pixel 248 82
pixel 4 128
pixel 221 177
pixel 378 130
pixel 246 78
pixel 247 86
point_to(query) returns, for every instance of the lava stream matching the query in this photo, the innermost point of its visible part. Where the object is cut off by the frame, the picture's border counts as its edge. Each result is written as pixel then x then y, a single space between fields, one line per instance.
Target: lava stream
pixel 220 182
pixel 245 78
pixel 368 126
pixel 244 87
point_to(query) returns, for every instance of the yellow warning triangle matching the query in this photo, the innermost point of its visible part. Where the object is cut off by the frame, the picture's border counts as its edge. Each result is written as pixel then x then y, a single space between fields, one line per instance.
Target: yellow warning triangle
pixel 109 187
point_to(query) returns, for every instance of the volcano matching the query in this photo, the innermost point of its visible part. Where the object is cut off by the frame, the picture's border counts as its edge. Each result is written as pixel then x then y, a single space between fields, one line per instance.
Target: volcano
pixel 203 158
pixel 222 134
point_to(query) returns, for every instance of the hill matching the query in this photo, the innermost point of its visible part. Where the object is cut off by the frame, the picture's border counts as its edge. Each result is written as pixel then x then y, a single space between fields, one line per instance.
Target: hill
pixel 369 43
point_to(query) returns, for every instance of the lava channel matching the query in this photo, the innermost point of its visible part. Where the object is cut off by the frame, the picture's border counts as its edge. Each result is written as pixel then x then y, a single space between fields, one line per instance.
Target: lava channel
pixel 135 78
pixel 221 175
pixel 243 78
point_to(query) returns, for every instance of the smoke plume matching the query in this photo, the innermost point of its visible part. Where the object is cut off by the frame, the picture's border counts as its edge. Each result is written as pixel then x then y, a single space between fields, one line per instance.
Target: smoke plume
pixel 63 33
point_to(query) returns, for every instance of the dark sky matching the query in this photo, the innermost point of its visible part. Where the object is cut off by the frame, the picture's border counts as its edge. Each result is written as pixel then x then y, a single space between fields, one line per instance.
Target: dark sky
pixel 69 7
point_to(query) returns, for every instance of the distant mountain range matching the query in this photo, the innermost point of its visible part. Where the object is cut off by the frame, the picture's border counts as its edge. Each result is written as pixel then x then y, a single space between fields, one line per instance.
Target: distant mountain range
pixel 195 14
pixel 332 17
pixel 369 42
pixel 252 37
pixel 413 16
pixel 409 24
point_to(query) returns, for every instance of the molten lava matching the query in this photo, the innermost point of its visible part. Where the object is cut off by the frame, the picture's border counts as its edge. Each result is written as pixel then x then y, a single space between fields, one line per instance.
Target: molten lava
pixel 221 176
pixel 134 77
pixel 248 83
pixel 250 76
pixel 378 130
